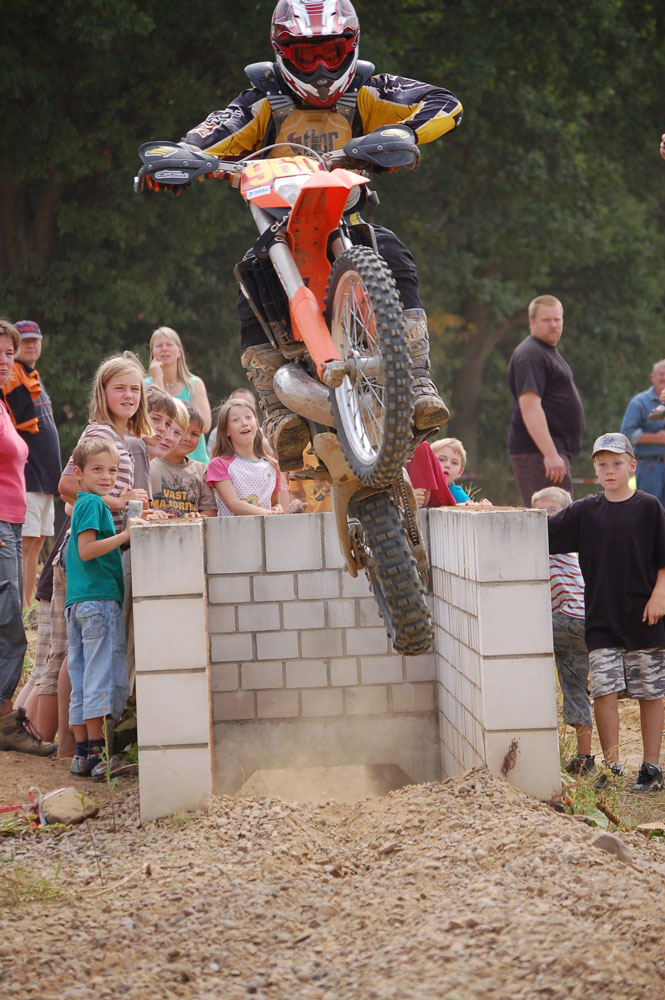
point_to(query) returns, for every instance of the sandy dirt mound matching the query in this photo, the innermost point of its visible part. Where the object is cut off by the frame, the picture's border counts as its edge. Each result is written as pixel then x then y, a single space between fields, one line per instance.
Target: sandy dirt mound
pixel 462 890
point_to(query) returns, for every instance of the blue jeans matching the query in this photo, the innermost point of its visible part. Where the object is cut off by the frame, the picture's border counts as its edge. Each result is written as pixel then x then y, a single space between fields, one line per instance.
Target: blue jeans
pixel 97 665
pixel 12 634
pixel 650 476
pixel 572 664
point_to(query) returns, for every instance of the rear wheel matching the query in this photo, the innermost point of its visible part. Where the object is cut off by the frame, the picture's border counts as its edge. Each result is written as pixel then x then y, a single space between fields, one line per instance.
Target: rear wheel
pixel 385 552
pixel 373 406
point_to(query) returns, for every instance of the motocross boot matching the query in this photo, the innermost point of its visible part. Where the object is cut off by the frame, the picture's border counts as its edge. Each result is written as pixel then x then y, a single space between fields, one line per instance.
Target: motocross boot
pixel 287 432
pixel 430 411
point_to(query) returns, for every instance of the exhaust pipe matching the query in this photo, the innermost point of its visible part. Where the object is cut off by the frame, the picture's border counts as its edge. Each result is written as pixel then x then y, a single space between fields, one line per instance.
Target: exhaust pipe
pixel 303 394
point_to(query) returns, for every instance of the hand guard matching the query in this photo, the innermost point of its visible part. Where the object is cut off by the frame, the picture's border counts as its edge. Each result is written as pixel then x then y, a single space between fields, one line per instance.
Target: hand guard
pixel 386 149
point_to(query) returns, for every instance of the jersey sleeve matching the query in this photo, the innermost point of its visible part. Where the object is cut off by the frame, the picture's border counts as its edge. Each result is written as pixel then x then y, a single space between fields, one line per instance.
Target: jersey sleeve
pixel 237 130
pixel 218 470
pixel 388 100
pixel 89 513
pixel 563 529
pixel 528 376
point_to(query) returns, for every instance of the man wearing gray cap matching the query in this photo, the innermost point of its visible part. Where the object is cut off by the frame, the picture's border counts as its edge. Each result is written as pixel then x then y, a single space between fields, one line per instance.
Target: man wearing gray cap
pixel 647 435
pixel 619 534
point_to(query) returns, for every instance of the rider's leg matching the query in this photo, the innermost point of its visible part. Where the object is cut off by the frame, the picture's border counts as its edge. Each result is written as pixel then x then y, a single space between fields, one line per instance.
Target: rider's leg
pixel 430 410
pixel 287 432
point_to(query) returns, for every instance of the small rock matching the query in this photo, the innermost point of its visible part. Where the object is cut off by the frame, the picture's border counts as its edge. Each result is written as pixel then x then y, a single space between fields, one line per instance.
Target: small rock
pixel 612 844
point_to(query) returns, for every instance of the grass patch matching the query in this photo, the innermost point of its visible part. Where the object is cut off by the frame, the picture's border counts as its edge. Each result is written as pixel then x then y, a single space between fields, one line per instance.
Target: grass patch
pixel 18 887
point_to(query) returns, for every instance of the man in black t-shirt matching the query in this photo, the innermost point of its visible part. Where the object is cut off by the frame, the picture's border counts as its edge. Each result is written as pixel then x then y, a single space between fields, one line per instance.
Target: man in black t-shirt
pixel 620 537
pixel 548 417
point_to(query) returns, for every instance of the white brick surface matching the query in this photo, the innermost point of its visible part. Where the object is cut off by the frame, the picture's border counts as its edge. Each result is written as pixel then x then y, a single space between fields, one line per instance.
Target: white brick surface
pixel 343 672
pixel 258 617
pixel 262 675
pixel 224 677
pixel 228 589
pixel 270 645
pixel 421 668
pixel 173 780
pixel 517 690
pixel 233 706
pixel 366 640
pixel 381 669
pixel 521 534
pixel 276 704
pixel 413 697
pixel 234 544
pixel 332 549
pixel 304 614
pixel 369 613
pixel 293 542
pixel 324 642
pixel 221 618
pixel 322 703
pixel 170 633
pixel 172 709
pixel 319 585
pixel 274 587
pixel 306 673
pixel 170 544
pixel 515 618
pixel 355 586
pixel 341 613
pixel 366 700
pixel 537 769
pixel 226 648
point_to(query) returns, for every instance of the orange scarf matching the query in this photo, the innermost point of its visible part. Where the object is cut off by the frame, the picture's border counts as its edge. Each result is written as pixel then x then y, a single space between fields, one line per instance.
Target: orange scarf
pixel 20 391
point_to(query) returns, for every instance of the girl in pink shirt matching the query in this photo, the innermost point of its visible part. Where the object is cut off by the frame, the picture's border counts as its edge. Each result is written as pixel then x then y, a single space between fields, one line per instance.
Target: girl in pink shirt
pixel 244 480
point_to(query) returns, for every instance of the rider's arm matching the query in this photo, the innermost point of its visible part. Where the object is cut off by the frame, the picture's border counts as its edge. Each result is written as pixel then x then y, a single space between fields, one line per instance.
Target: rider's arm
pixel 429 111
pixel 235 131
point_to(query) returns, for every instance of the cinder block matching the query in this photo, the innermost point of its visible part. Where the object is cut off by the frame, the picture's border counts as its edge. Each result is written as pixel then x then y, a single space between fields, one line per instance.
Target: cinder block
pixel 228 589
pixel 421 668
pixel 369 613
pixel 519 693
pixel 234 544
pixel 277 644
pixel 224 677
pixel 172 709
pixel 323 643
pixel 306 674
pixel 343 672
pixel 413 698
pixel 274 587
pixel 303 614
pixel 262 675
pixel 319 585
pixel 233 705
pixel 523 534
pixel 293 542
pixel 381 669
pixel 227 648
pixel 222 618
pixel 173 780
pixel 366 640
pixel 331 548
pixel 258 617
pixel 366 700
pixel 276 704
pixel 341 613
pixel 170 544
pixel 170 633
pixel 514 619
pixel 322 703
pixel 537 769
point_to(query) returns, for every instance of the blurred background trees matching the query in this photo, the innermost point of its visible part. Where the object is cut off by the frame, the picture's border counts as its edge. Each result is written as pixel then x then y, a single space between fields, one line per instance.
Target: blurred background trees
pixel 553 184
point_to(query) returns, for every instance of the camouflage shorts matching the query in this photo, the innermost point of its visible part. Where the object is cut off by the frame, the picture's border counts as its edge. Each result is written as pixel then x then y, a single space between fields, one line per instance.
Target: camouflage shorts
pixel 572 664
pixel 640 672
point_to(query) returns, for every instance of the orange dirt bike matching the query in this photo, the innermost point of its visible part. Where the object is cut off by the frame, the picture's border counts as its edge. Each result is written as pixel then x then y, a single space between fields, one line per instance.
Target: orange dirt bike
pixel 332 308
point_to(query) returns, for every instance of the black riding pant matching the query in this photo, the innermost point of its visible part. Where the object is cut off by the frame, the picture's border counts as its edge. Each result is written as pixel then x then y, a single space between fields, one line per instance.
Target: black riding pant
pixel 397 256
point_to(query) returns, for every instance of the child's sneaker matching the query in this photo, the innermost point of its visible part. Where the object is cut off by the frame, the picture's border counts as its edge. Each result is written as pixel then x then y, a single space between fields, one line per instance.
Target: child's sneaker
pixel 82 767
pixel 611 771
pixel 584 763
pixel 650 779
pixel 107 768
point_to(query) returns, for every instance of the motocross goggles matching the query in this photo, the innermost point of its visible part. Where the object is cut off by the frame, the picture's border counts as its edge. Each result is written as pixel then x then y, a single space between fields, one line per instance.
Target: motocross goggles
pixel 305 56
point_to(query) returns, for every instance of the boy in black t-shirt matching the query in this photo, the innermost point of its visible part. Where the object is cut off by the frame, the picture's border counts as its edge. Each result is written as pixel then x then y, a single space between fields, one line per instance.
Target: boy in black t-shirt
pixel 620 537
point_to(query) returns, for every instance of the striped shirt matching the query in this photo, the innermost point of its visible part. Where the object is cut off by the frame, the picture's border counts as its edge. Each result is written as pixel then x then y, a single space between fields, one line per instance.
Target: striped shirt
pixel 567 584
pixel 125 478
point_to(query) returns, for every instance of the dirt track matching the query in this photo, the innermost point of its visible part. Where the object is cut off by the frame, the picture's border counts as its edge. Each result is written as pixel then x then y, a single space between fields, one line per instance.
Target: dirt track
pixel 462 890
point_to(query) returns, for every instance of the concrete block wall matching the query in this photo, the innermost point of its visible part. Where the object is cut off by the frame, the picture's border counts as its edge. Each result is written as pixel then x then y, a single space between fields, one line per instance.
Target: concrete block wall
pixel 495 666
pixel 256 649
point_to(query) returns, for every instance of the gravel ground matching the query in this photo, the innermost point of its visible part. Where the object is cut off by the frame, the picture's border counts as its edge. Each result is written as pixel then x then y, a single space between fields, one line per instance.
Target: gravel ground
pixel 462 890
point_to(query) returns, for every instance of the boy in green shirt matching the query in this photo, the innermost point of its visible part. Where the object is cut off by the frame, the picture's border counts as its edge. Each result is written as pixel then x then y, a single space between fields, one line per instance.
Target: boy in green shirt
pixel 93 606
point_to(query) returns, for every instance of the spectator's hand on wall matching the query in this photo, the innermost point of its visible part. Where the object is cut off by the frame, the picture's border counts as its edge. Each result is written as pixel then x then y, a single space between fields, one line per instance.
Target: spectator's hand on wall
pixel 297 506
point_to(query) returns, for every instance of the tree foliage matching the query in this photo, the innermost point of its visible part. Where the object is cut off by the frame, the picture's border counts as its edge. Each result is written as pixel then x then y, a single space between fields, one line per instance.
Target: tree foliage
pixel 553 184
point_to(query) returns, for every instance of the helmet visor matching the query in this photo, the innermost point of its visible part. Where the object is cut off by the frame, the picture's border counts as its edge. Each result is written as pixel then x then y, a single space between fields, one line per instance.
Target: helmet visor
pixel 306 56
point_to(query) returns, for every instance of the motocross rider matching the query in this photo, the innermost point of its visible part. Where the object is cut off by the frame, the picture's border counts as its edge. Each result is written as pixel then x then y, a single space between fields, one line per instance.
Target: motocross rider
pixel 317 93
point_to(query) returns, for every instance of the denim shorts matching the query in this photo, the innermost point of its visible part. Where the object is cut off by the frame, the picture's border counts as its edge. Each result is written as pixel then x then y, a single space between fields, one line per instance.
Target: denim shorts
pixel 572 664
pixel 97 664
pixel 639 672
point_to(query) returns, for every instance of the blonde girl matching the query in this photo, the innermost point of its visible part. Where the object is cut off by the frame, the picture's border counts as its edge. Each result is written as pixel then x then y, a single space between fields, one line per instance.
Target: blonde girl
pixel 117 408
pixel 169 371
pixel 244 480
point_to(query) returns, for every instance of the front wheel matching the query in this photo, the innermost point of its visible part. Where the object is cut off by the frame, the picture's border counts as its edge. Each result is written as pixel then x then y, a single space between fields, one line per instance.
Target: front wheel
pixel 373 406
pixel 400 595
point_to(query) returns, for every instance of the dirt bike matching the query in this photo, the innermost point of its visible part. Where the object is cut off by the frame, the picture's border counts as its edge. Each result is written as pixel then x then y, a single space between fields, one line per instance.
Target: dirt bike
pixel 332 308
